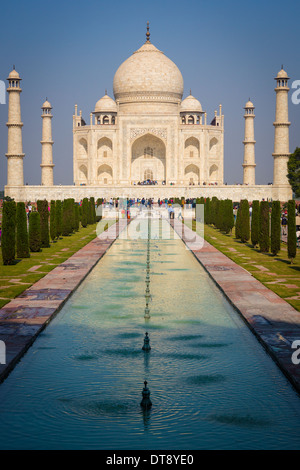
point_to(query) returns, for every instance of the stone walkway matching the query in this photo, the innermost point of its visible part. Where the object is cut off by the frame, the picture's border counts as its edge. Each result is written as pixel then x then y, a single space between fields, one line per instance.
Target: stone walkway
pixel 275 322
pixel 22 319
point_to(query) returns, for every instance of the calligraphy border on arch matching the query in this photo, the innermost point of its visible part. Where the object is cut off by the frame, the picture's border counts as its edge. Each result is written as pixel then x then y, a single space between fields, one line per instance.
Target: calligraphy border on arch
pixel 137 132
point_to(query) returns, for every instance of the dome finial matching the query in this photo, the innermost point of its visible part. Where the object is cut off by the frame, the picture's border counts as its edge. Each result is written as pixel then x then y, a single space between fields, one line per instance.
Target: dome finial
pixel 14 68
pixel 148 33
pixel 190 92
pixel 105 92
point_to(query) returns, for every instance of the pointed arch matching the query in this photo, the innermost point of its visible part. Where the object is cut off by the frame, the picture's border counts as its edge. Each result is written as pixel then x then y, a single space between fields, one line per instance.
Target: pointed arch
pixel 83 174
pixel 192 148
pixel 83 148
pixel 192 174
pixel 148 153
pixel 105 174
pixel 213 144
pixel 104 148
pixel 213 173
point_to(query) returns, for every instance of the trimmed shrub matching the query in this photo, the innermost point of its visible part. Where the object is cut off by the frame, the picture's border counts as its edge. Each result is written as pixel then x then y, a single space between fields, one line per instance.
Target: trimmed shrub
pixel 255 223
pixel 22 233
pixel 207 211
pixel 85 212
pixel 43 210
pixel 35 232
pixel 213 210
pixel 53 233
pixel 68 217
pixel 227 218
pixel 238 223
pixel 264 227
pixel 276 227
pixel 76 210
pixel 93 210
pixel 292 239
pixel 244 221
pixel 8 237
pixel 58 218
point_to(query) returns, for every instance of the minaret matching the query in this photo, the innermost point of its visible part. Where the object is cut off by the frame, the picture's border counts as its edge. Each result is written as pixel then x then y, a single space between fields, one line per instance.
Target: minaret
pixel 47 142
pixel 15 153
pixel 281 141
pixel 249 145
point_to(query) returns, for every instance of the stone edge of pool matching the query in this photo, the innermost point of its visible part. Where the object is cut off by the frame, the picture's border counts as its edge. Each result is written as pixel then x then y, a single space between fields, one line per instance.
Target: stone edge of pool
pixel 274 322
pixel 26 316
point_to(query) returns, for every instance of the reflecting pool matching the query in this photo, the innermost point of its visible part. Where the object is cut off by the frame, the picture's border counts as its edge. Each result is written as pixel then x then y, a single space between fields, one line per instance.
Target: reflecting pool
pixel 212 384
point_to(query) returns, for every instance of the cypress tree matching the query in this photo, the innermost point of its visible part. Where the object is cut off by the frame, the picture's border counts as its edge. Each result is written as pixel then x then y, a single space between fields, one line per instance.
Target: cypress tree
pixel 292 239
pixel 227 222
pixel 67 218
pixel 53 233
pixel 76 210
pixel 238 223
pixel 207 211
pixel 43 210
pixel 264 227
pixel 255 223
pixel 8 237
pixel 22 233
pixel 221 215
pixel 35 232
pixel 244 221
pixel 85 212
pixel 93 210
pixel 213 210
pixel 276 227
pixel 58 218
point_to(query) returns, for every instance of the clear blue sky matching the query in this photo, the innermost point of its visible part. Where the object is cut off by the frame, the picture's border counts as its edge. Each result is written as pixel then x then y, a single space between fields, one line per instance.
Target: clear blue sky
pixel 227 52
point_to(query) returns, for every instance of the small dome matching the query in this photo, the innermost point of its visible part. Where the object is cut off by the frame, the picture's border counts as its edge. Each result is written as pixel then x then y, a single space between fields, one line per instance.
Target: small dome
pixel 106 104
pixel 191 104
pixel 249 104
pixel 13 75
pixel 282 74
pixel 47 105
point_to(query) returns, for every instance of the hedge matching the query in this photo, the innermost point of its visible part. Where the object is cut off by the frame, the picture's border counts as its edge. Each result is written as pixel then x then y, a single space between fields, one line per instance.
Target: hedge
pixel 22 233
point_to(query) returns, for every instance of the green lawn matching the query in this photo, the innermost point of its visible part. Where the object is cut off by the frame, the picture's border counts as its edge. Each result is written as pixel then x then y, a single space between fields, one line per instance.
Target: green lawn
pixel 275 272
pixel 18 277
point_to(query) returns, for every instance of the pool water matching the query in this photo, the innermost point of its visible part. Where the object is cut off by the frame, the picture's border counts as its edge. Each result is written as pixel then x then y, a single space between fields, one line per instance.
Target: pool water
pixel 212 384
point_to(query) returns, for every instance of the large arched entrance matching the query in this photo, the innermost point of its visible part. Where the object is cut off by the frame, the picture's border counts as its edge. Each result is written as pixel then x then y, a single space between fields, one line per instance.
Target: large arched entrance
pixel 148 158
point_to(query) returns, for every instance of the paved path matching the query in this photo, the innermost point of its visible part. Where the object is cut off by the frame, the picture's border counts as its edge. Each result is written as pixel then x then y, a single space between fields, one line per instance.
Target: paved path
pixel 22 319
pixel 275 322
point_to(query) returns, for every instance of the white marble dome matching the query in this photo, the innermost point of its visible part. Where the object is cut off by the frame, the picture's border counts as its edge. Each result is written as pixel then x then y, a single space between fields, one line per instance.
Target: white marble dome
pixel 106 105
pixel 191 104
pixel 150 73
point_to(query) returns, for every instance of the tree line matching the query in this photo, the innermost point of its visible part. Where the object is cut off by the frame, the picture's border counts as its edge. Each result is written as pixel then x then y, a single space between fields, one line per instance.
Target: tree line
pixel 263 228
pixel 20 238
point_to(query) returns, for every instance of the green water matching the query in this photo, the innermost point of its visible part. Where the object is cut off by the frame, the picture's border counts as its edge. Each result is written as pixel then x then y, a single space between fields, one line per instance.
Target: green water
pixel 212 385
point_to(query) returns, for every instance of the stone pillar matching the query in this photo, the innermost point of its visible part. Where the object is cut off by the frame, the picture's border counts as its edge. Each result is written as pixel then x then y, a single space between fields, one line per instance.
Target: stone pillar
pixel 281 141
pixel 249 145
pixel 15 153
pixel 47 143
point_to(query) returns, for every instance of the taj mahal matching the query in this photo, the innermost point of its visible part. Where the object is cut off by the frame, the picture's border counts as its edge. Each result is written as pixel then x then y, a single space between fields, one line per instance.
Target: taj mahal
pixel 148 132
